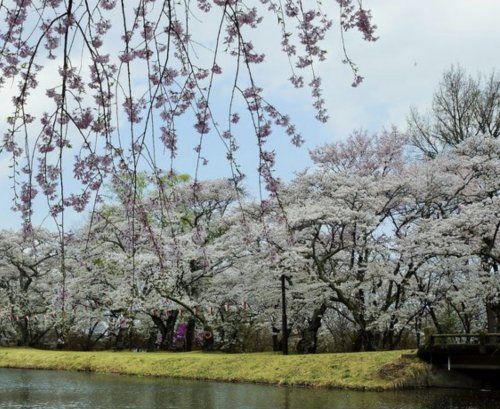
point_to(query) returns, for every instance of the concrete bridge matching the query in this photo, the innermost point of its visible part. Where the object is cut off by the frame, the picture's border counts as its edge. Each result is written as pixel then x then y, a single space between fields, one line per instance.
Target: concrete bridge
pixel 475 355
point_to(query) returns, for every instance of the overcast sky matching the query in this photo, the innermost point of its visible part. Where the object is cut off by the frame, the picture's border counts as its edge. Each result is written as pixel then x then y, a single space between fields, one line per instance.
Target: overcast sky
pixel 418 40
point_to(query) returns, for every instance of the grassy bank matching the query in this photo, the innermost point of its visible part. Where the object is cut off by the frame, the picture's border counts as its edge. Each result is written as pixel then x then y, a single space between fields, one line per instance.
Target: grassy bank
pixel 366 370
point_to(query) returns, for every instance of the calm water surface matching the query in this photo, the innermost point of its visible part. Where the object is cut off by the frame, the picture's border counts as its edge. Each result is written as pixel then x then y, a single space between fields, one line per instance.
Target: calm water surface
pixel 60 390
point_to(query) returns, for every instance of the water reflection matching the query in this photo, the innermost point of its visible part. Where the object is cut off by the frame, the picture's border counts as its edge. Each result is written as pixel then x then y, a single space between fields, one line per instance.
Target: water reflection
pixel 45 389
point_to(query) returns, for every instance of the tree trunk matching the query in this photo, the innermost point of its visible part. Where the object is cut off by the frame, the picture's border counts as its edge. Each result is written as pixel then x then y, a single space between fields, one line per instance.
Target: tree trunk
pixel 388 338
pixel 208 339
pixel 166 328
pixel 24 340
pixel 190 332
pixel 276 340
pixel 493 317
pixel 308 343
pixel 435 320
pixel 364 341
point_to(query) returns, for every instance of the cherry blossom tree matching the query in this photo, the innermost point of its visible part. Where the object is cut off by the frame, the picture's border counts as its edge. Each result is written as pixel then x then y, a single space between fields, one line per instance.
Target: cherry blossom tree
pixel 31 296
pixel 455 238
pixel 176 253
pixel 345 234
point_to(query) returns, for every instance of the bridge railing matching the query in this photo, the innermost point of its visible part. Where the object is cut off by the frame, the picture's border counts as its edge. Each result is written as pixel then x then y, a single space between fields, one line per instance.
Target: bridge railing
pixel 458 339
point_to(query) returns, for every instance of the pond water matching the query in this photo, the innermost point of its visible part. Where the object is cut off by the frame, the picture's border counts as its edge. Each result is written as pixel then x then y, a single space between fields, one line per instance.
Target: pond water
pixel 52 389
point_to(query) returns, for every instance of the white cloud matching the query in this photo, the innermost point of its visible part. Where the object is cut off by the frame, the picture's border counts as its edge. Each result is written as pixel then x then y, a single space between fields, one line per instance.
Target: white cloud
pixel 418 40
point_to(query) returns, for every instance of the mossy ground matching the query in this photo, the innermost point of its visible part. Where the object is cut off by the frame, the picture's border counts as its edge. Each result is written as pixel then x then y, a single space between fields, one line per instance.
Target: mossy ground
pixel 365 370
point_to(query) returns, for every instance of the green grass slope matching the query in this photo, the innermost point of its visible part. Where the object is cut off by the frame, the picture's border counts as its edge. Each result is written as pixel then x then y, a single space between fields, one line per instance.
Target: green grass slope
pixel 365 370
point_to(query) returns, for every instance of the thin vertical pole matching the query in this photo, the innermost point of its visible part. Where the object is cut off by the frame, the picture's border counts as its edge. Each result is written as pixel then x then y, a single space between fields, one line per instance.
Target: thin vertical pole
pixel 284 323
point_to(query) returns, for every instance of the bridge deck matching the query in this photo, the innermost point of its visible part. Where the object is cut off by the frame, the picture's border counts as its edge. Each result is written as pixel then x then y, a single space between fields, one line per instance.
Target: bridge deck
pixel 474 352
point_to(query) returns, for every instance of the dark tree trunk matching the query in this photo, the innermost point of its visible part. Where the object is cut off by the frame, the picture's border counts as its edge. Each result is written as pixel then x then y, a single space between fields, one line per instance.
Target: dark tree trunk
pixel 208 339
pixel 365 341
pixel 435 320
pixel 89 343
pixel 276 340
pixel 24 340
pixel 190 332
pixel 308 344
pixel 120 339
pixel 166 328
pixel 388 338
pixel 493 317
pixel 169 332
